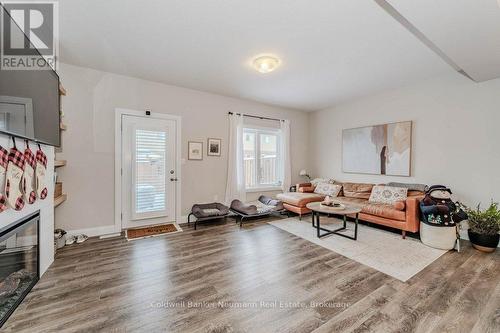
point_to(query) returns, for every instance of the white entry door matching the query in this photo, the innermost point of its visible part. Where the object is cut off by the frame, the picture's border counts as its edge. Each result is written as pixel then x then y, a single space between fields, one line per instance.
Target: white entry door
pixel 148 171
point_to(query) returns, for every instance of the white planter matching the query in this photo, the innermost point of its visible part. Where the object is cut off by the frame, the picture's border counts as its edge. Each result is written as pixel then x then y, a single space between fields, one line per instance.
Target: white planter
pixel 439 237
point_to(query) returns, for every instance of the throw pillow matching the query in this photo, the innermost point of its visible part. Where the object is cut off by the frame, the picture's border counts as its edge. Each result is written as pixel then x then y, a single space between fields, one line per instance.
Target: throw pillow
pixel 328 189
pixel 317 181
pixel 306 189
pixel 388 194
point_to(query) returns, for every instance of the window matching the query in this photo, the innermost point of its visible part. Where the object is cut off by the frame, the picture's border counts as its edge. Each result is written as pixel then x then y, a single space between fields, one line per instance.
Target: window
pixel 262 158
pixel 150 175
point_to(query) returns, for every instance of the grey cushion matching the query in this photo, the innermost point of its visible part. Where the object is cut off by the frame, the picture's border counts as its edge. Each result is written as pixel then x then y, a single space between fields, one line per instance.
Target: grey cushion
pixel 210 209
pixel 263 205
pixel 246 209
pixel 410 187
pixel 277 204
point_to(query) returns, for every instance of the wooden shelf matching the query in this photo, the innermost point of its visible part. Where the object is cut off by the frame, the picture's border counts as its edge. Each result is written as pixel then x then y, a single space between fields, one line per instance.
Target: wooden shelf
pixel 63 127
pixel 62 91
pixel 59 163
pixel 60 199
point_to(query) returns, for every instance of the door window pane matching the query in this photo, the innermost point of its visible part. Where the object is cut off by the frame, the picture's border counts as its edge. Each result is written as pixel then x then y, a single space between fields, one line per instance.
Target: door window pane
pixel 150 175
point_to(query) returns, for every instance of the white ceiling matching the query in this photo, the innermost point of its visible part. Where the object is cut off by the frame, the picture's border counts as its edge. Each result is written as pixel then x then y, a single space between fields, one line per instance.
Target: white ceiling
pixel 331 51
pixel 467 31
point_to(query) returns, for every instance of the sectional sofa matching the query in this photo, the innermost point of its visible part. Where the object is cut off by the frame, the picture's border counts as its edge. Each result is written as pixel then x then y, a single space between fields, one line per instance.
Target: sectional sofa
pixel 402 215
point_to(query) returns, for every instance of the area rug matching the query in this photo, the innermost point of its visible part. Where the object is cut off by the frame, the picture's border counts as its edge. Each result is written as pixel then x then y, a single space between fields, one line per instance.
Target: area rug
pixel 382 250
pixel 152 231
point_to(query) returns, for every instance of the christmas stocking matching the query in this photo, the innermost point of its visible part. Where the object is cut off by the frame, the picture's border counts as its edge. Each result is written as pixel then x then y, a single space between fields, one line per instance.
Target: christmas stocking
pixel 14 175
pixel 29 176
pixel 4 160
pixel 40 171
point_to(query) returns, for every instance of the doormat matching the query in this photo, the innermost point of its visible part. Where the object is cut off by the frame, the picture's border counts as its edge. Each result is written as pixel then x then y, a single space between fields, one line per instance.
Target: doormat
pixel 152 231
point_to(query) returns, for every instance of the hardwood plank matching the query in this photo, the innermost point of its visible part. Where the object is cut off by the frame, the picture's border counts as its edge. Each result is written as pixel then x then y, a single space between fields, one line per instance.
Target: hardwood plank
pixel 117 286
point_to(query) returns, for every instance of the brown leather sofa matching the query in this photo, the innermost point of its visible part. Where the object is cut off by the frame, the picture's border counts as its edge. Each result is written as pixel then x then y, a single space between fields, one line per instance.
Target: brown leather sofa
pixel 403 215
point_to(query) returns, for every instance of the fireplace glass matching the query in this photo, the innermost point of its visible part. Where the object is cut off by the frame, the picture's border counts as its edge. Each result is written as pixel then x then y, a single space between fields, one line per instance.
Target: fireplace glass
pixel 19 263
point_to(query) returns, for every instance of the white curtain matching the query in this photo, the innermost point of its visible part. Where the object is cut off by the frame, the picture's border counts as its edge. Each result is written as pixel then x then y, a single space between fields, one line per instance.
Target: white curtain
pixel 285 148
pixel 235 186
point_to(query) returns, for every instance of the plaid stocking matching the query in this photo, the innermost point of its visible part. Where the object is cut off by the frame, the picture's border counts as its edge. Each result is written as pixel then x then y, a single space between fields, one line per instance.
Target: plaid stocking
pixel 40 170
pixel 29 176
pixel 4 160
pixel 15 170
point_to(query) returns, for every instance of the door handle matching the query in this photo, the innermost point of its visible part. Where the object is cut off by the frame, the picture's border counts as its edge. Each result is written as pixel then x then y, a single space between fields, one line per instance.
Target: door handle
pixel 173 179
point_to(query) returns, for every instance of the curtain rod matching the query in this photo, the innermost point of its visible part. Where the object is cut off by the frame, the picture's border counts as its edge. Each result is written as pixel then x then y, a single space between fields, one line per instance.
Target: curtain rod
pixel 257 117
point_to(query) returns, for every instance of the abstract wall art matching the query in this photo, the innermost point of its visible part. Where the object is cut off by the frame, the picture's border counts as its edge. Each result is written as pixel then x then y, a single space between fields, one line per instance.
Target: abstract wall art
pixel 380 149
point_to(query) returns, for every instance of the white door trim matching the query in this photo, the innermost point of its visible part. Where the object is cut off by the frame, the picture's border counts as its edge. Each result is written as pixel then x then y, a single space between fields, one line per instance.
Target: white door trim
pixel 119 112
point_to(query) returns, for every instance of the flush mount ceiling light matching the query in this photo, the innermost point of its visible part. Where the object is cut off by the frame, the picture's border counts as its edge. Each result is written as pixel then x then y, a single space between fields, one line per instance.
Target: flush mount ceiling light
pixel 266 64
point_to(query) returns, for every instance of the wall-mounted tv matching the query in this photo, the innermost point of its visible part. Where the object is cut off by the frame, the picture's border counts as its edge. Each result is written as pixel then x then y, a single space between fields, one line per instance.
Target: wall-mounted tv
pixel 29 99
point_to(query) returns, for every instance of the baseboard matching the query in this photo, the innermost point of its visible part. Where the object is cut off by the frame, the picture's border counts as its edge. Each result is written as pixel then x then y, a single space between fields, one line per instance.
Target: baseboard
pixel 94 232
pixel 184 220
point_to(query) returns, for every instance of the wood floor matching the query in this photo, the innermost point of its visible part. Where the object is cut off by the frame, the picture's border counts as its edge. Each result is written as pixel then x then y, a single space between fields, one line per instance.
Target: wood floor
pixel 221 278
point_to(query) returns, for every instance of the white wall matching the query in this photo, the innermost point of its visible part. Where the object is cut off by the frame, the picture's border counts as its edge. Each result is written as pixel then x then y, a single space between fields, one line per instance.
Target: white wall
pixel 46 206
pixel 89 142
pixel 456 135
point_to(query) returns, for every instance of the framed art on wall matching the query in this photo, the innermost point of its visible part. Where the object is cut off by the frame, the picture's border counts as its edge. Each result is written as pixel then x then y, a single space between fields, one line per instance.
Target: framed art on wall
pixel 380 149
pixel 213 147
pixel 195 151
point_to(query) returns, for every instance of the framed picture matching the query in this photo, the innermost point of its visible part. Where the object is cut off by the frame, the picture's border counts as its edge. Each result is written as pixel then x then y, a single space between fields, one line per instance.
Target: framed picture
pixel 380 149
pixel 195 151
pixel 213 147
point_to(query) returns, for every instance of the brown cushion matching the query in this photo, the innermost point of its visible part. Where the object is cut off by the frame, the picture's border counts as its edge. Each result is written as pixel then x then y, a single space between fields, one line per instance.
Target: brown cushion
pixel 299 199
pixel 357 190
pixel 376 209
pixel 306 189
pixel 384 210
pixel 399 205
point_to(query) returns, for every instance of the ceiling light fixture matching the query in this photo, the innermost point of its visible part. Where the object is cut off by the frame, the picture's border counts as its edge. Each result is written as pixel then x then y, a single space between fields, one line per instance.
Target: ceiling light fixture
pixel 266 64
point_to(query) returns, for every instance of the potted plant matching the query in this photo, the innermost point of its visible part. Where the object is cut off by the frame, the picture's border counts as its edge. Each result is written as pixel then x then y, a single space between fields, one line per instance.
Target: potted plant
pixel 484 227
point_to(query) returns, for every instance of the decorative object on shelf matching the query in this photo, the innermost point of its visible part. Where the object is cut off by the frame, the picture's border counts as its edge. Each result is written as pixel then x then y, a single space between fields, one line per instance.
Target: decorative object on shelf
pixel 440 217
pixel 58 189
pixel 59 163
pixel 195 151
pixel 213 147
pixel 40 172
pixel 60 199
pixel 484 227
pixel 4 161
pixel 14 175
pixel 29 175
pixel 303 173
pixel 381 149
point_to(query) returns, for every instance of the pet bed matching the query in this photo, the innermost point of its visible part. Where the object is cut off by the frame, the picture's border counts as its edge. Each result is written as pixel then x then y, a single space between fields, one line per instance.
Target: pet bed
pixel 210 211
pixel 264 206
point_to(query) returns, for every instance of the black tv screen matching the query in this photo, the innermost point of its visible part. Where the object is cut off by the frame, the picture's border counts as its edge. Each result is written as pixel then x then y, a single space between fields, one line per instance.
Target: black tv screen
pixel 29 101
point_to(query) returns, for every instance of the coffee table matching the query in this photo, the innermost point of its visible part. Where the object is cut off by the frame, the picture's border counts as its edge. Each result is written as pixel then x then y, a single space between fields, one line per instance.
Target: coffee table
pixel 317 209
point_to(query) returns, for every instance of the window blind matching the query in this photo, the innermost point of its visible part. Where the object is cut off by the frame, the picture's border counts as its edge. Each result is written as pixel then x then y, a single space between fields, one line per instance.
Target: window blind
pixel 150 173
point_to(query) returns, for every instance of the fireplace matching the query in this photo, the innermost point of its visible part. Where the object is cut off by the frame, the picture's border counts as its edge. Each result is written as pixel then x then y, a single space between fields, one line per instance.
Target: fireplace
pixel 19 262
